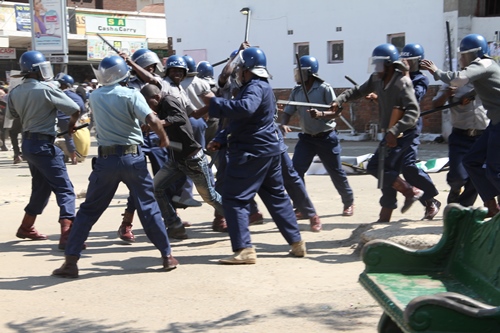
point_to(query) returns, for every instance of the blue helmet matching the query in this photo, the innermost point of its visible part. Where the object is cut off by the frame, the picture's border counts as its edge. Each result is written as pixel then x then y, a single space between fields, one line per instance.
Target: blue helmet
pixel 35 62
pixel 412 51
pixel 387 52
pixel 204 69
pixel 382 56
pixel 310 63
pixel 176 61
pixel 64 78
pixel 190 63
pixel 145 58
pixel 233 54
pixel 254 60
pixel 474 43
pixel 112 69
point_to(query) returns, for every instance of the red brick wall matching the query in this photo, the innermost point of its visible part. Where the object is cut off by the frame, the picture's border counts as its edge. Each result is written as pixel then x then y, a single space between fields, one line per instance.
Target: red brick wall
pixel 366 112
pixel 122 5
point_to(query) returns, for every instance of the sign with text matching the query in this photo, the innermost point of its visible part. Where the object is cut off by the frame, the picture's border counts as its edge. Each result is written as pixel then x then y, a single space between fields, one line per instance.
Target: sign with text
pixel 116 26
pixel 97 49
pixel 23 17
pixel 7 53
pixel 48 22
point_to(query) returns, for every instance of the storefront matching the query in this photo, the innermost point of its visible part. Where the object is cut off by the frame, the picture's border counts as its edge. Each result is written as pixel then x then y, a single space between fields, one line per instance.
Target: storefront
pixel 126 31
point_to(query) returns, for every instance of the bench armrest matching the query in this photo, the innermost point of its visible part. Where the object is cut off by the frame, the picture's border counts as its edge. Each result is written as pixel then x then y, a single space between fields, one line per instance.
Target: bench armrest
pixel 382 256
pixel 453 311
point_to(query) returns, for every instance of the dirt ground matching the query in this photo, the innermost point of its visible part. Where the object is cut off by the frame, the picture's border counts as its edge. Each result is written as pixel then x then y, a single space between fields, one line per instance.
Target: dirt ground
pixel 122 288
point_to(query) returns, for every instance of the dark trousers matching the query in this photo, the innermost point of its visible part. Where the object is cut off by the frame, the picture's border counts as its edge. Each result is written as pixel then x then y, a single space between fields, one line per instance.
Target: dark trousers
pixel 482 163
pixel 49 174
pixel 457 177
pixel 245 179
pixel 328 150
pixel 108 172
pixel 392 167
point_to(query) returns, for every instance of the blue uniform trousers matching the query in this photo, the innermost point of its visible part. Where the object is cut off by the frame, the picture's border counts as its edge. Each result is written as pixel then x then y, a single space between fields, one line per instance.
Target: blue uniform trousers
pixel 108 172
pixel 328 150
pixel 392 168
pixel 413 174
pixel 49 174
pixel 221 171
pixel 185 191
pixel 239 190
pixel 157 156
pixel 482 163
pixel 196 168
pixel 63 123
pixel 295 187
pixel 457 177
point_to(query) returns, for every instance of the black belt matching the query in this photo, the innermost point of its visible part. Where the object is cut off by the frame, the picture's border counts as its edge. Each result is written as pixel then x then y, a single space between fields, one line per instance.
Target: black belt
pixel 319 135
pixel 468 132
pixel 38 136
pixel 117 150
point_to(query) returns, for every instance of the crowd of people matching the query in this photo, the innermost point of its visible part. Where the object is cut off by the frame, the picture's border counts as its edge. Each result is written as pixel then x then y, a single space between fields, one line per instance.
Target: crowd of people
pixel 179 114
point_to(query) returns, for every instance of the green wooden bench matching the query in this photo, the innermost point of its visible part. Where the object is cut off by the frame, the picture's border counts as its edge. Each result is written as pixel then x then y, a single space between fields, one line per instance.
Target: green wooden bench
pixel 451 287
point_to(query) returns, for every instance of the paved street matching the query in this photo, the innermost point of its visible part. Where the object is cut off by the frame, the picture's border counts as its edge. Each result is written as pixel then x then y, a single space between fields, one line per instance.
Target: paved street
pixel 122 288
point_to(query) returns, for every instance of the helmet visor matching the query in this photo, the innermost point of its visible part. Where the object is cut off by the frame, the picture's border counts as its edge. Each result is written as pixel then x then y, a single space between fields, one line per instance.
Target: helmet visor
pixel 413 63
pixel 376 64
pixel 148 59
pixel 468 56
pixel 296 74
pixel 45 70
pixel 111 75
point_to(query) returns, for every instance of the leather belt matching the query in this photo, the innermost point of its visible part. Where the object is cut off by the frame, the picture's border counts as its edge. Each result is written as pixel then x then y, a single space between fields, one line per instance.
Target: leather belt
pixel 319 135
pixel 38 136
pixel 117 150
pixel 468 132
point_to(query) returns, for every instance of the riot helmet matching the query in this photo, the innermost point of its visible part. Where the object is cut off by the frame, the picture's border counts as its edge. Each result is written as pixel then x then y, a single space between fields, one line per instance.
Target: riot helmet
pixel 145 58
pixel 382 56
pixel 64 79
pixel 413 53
pixel 191 65
pixel 471 47
pixel 112 69
pixel 35 62
pixel 309 66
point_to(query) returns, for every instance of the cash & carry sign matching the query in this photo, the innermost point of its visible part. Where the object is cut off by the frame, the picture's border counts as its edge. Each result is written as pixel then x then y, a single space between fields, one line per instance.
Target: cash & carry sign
pixel 115 26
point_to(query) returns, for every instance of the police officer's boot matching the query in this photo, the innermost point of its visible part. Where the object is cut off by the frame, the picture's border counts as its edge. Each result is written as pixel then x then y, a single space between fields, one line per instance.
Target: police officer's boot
pixel 385 215
pixel 65 229
pixel 219 223
pixel 27 230
pixel 411 193
pixel 125 230
pixel 69 269
pixel 492 206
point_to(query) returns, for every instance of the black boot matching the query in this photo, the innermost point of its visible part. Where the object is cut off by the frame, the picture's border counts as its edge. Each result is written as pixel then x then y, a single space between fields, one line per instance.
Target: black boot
pixel 411 193
pixel 69 269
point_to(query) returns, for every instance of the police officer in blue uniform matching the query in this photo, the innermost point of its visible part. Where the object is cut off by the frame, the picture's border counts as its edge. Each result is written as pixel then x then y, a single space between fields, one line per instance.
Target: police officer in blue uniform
pixel 394 90
pixel 253 159
pixel 66 81
pixel 318 136
pixel 118 111
pixel 482 161
pixel 144 63
pixel 36 104
pixel 413 54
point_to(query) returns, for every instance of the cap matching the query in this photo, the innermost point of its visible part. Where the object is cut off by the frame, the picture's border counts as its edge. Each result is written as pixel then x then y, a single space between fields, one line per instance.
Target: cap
pixel 93 81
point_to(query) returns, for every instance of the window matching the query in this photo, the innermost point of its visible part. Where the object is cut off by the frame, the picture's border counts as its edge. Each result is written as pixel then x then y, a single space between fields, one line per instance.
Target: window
pixel 398 40
pixel 300 48
pixel 335 51
pixel 488 8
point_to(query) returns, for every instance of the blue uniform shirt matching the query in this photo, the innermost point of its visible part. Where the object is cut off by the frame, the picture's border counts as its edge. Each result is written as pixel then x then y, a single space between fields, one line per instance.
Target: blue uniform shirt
pixel 321 93
pixel 420 84
pixel 36 104
pixel 117 111
pixel 251 130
